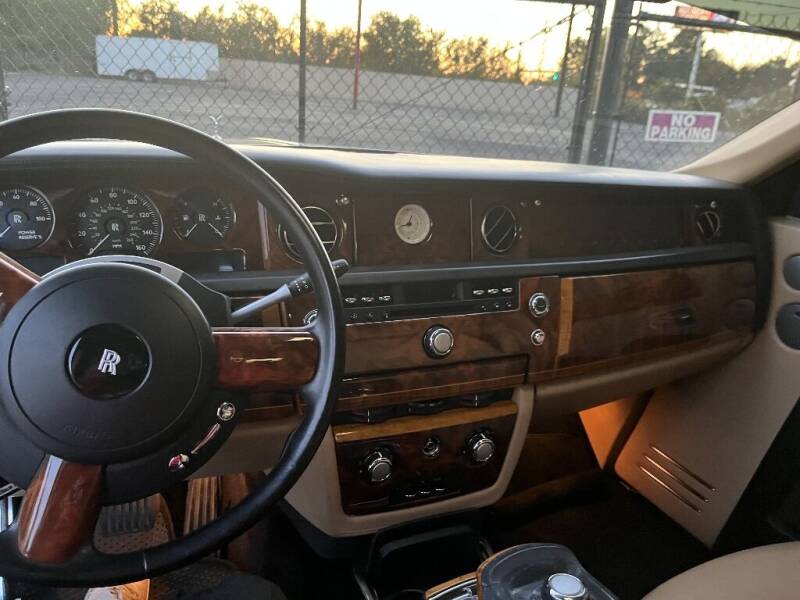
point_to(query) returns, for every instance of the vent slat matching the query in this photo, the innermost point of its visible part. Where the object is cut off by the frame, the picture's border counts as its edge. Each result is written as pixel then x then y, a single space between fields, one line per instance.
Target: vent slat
pixel 499 229
pixel 324 225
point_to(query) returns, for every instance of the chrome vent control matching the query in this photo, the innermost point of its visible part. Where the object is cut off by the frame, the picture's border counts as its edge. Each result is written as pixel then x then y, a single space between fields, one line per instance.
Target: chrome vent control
pixel 322 222
pixel 499 229
pixel 539 304
pixel 708 224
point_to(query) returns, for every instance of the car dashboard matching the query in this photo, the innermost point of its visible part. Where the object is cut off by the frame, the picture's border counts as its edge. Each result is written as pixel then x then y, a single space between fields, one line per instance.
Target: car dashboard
pixel 482 294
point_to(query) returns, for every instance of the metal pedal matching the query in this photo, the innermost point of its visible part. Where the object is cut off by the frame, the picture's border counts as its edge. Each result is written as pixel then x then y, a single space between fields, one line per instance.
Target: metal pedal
pixel 202 503
pixel 131 517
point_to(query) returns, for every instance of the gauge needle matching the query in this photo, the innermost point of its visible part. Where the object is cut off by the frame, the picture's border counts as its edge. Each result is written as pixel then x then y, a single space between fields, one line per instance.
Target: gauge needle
pixel 5 231
pixel 100 243
pixel 219 233
pixel 191 229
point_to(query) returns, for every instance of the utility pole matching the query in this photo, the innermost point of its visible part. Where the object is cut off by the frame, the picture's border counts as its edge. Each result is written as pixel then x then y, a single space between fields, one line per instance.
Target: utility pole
pixel 562 76
pixel 114 17
pixel 610 81
pixel 357 58
pixel 587 79
pixel 698 52
pixel 301 92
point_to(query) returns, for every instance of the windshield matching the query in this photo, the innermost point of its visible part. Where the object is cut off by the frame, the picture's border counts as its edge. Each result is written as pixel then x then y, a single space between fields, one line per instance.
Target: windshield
pixel 631 84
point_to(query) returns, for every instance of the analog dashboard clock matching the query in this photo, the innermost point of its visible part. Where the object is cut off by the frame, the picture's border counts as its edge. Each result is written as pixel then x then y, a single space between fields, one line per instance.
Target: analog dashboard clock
pixel 412 223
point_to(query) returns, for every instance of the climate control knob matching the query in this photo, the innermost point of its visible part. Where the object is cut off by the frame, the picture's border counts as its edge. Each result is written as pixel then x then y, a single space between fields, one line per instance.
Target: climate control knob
pixel 481 448
pixel 378 466
pixel 438 341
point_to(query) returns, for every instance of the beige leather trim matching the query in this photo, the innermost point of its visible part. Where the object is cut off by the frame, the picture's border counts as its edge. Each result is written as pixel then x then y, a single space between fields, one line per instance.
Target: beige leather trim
pixel 717 426
pixel 252 447
pixel 316 496
pixel 605 426
pixel 573 394
pixel 765 572
pixel 757 153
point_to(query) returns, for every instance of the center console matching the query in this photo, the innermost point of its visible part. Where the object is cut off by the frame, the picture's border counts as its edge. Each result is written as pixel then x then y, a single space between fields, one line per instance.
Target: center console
pixel 436 450
pixel 529 572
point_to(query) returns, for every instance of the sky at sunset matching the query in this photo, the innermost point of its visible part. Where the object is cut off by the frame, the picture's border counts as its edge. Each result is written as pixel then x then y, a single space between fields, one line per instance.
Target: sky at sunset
pixel 530 26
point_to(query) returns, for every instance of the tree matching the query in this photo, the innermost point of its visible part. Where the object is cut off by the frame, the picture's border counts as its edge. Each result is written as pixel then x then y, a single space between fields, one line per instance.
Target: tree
pixel 474 58
pixel 253 32
pixel 331 48
pixel 162 19
pixel 401 46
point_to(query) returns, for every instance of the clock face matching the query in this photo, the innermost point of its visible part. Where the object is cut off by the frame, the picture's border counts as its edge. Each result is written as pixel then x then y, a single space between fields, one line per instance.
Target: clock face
pixel 412 223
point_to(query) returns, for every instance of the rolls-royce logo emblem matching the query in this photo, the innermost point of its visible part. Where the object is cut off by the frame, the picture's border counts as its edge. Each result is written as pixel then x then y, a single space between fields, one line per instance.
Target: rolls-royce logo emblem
pixel 109 361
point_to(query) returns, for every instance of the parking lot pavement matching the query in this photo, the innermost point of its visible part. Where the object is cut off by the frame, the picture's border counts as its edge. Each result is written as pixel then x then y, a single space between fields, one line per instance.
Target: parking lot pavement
pixel 409 125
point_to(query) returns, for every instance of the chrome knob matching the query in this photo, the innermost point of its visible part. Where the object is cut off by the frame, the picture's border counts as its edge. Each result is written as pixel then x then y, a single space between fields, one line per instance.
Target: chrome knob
pixel 481 447
pixel 438 341
pixel 378 466
pixel 538 336
pixel 539 304
pixel 311 316
pixel 563 586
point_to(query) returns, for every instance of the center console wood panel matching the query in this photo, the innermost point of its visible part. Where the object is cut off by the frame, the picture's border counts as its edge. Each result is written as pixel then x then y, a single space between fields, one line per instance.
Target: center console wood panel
pixel 370 391
pixel 426 479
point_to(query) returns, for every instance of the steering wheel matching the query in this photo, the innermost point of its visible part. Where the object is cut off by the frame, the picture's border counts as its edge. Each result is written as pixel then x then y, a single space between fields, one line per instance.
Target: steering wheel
pixel 114 384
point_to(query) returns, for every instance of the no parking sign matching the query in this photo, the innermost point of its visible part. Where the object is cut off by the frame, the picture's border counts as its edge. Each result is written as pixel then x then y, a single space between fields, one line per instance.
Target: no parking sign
pixel 681 126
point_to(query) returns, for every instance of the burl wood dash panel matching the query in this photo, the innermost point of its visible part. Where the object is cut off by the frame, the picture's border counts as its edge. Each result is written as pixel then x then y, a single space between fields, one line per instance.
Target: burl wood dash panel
pixel 629 316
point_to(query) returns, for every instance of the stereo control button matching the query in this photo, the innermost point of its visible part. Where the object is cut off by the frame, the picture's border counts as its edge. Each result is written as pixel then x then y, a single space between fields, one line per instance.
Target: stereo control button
pixel 384 299
pixel 478 293
pixel 438 341
pixel 350 300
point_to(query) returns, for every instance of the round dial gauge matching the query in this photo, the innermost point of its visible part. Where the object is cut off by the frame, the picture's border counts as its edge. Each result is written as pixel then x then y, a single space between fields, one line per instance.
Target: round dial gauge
pixel 115 220
pixel 26 219
pixel 412 223
pixel 203 217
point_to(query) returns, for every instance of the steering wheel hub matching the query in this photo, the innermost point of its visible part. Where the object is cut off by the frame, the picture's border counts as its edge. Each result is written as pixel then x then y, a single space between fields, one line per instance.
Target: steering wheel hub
pixel 104 363
pixel 108 361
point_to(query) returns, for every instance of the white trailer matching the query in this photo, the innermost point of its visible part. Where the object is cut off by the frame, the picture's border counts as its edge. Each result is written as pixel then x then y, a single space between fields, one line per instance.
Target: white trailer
pixel 149 59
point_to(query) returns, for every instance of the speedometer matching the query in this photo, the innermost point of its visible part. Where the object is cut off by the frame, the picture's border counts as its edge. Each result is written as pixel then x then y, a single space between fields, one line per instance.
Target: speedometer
pixel 116 220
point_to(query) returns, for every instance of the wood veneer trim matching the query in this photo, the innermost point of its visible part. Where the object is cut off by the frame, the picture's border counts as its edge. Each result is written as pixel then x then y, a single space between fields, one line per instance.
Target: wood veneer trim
pixel 451 583
pixel 360 432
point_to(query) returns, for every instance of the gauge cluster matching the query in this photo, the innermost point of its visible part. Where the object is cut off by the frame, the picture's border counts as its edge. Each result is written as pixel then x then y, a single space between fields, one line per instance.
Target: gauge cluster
pixel 193 223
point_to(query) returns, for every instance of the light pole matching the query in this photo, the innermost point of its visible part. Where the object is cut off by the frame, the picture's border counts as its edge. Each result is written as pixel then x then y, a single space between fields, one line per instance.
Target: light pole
pixel 357 58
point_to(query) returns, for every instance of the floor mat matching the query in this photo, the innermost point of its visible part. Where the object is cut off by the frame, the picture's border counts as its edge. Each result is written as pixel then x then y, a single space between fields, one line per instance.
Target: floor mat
pixel 618 536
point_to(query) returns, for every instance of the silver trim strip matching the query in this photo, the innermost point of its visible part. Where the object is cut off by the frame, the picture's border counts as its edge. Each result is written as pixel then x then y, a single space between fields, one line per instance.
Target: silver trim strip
pixel 682 483
pixel 669 489
pixel 686 470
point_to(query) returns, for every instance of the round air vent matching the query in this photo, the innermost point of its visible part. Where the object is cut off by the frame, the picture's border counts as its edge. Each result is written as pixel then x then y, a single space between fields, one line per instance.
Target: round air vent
pixel 708 224
pixel 499 229
pixel 322 222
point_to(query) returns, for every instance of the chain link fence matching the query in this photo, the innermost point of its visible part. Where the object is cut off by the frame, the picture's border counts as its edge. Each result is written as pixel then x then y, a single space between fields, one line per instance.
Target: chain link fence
pixel 240 73
pixel 693 60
